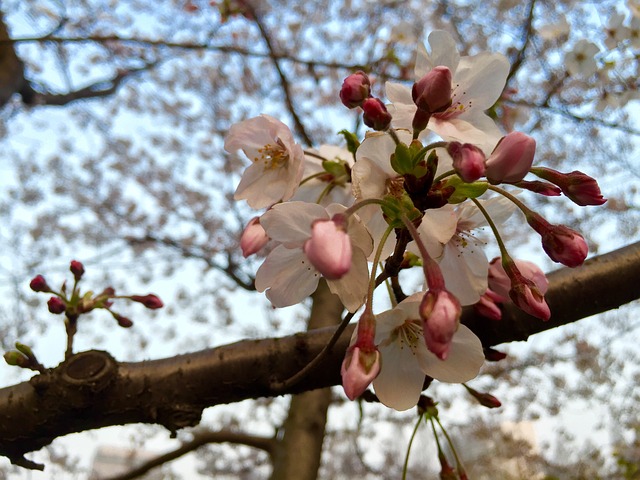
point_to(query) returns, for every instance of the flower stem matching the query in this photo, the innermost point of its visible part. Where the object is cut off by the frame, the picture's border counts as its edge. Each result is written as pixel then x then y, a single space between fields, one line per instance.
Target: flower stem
pixel 432 272
pixel 406 458
pixel 494 229
pixel 459 465
pixel 446 174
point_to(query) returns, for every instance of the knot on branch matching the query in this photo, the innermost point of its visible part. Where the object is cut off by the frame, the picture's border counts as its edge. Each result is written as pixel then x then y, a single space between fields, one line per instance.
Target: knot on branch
pixel 178 416
pixel 93 370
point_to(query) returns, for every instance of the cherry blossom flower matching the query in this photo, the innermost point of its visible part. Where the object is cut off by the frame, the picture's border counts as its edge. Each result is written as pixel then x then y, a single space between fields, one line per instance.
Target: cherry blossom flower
pixel 277 165
pixel 616 31
pixel 446 233
pixel 406 359
pixel 477 82
pixel 287 274
pixel 580 61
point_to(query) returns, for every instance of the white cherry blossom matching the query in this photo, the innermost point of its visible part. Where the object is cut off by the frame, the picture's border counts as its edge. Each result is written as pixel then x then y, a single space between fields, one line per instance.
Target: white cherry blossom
pixel 477 84
pixel 447 235
pixel 406 359
pixel 277 165
pixel 580 61
pixel 287 274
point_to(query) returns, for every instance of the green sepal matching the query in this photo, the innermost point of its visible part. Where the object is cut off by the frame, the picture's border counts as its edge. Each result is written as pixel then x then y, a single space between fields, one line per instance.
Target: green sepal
pixel 394 208
pixel 338 170
pixel 465 190
pixel 352 141
pixel 402 159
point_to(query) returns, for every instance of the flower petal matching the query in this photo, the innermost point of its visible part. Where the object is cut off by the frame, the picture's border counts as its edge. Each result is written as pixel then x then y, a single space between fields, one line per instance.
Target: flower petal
pixel 463 363
pixel 287 275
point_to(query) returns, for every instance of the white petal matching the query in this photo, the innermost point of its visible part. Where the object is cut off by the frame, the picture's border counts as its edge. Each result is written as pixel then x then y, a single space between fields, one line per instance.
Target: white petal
pixel 290 223
pixel 352 287
pixel 465 269
pixel 397 93
pixel 464 360
pixel 443 52
pixel 400 381
pixel 482 78
pixel 288 276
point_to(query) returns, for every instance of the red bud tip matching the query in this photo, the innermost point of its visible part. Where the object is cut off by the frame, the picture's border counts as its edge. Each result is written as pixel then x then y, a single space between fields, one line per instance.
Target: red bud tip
pixel 39 284
pixel 150 301
pixel 56 305
pixel 77 269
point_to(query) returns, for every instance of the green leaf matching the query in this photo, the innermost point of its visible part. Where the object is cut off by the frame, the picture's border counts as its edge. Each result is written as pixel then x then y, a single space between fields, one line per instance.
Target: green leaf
pixel 465 190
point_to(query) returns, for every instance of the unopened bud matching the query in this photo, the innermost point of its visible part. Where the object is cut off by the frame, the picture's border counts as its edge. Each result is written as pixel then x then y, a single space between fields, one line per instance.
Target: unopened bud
pixel 356 88
pixel 562 244
pixel 39 284
pixel 492 355
pixel 579 187
pixel 484 399
pixel 16 359
pixel 124 322
pixel 253 237
pixel 150 301
pixel 358 370
pixel 329 248
pixel 56 305
pixel 432 92
pixel 440 312
pixel 77 269
pixel 541 188
pixel 512 158
pixel 468 161
pixel 375 115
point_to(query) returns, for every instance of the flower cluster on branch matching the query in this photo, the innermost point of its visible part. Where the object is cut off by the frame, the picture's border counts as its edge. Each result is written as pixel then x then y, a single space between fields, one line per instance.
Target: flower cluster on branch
pixel 408 196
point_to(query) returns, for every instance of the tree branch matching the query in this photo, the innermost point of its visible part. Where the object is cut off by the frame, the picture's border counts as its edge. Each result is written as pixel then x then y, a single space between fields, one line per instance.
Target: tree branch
pixel 91 390
pixel 200 439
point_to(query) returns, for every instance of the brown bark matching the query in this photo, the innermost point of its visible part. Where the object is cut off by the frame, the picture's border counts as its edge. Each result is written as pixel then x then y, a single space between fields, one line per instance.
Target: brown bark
pixel 298 454
pixel 92 390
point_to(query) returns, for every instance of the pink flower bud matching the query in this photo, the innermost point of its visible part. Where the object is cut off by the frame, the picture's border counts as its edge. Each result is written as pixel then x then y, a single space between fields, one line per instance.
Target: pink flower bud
pixel 150 301
pixel 39 284
pixel 77 269
pixel 512 158
pixel 541 188
pixel 484 399
pixel 579 187
pixel 500 283
pixel 56 305
pixel 432 92
pixel 124 322
pixel 356 88
pixel 329 248
pixel 562 244
pixel 440 312
pixel 525 293
pixel 375 115
pixel 468 161
pixel 488 307
pixel 358 370
pixel 492 355
pixel 253 237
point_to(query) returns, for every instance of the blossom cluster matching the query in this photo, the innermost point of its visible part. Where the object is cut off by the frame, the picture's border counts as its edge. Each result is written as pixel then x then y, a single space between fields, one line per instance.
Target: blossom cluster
pixel 410 195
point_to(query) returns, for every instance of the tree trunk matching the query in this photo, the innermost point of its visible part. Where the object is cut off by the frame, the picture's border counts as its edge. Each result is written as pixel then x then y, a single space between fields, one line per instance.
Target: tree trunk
pixel 298 454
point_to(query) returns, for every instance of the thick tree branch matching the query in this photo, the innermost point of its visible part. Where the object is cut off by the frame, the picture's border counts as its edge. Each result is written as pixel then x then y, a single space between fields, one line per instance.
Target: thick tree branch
pixel 91 390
